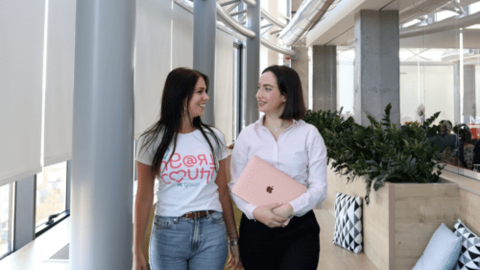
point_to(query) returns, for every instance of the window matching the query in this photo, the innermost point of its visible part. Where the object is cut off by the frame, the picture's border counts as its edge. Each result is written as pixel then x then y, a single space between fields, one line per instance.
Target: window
pixel 51 192
pixel 6 219
pixel 345 79
pixel 439 72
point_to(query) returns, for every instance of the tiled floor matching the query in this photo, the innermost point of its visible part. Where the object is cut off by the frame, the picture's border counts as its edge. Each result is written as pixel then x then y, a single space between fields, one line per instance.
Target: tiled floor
pixel 33 255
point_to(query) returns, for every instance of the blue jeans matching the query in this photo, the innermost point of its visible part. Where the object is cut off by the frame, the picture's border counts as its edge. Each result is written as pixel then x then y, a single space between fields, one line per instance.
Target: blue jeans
pixel 179 243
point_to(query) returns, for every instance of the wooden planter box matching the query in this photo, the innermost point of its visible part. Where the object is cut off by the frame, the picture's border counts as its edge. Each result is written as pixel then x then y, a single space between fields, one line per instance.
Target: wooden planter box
pixel 400 219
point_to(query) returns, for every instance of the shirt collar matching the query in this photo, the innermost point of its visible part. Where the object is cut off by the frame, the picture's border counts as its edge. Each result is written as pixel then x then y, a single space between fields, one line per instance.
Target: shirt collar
pixel 259 122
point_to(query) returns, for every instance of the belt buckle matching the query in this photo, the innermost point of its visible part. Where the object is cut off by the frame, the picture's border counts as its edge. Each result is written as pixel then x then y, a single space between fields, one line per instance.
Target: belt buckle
pixel 191 215
pixel 194 215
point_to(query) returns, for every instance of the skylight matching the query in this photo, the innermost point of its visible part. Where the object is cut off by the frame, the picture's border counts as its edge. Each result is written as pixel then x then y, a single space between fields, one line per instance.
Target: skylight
pixel 442 15
pixel 410 23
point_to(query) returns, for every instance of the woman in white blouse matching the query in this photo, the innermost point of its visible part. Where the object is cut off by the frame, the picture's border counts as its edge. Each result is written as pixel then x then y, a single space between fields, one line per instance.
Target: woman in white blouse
pixel 296 148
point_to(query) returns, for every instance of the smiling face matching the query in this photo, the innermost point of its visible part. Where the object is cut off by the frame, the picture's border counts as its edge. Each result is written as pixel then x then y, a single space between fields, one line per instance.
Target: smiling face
pixel 270 100
pixel 199 98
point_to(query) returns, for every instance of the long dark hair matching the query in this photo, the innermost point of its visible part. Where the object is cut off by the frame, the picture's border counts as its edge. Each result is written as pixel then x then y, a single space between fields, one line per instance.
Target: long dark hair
pixel 290 86
pixel 179 87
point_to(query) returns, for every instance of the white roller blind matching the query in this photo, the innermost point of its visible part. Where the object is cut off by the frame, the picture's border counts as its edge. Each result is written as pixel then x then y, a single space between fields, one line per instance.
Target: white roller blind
pixel 21 60
pixel 182 49
pixel 224 84
pixel 59 81
pixel 152 59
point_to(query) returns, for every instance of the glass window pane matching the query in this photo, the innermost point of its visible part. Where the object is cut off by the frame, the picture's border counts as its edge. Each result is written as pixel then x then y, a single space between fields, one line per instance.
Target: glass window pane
pixel 51 192
pixel 5 219
pixel 345 79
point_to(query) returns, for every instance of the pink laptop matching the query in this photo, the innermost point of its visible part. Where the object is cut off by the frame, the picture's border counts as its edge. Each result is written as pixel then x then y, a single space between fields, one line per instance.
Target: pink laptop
pixel 262 184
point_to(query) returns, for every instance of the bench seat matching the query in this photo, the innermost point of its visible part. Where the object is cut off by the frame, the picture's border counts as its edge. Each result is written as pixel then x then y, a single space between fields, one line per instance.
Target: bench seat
pixel 332 256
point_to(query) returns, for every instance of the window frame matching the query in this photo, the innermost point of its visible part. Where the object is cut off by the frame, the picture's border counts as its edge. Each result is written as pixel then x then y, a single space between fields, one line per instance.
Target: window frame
pixel 239 77
pixel 42 228
pixel 11 228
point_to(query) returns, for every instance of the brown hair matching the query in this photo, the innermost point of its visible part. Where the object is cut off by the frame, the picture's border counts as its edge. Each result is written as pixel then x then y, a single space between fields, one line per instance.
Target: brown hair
pixel 179 86
pixel 290 86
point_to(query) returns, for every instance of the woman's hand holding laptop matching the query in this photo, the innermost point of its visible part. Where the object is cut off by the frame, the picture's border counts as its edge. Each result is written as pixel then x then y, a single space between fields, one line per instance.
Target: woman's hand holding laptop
pixel 266 215
pixel 285 210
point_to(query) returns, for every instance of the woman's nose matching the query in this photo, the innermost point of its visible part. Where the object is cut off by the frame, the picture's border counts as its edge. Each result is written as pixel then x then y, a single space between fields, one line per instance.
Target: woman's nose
pixel 258 93
pixel 206 97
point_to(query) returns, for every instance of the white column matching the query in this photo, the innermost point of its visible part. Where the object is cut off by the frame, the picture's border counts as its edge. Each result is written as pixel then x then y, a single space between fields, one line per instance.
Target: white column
pixel 204 33
pixel 102 155
pixel 253 64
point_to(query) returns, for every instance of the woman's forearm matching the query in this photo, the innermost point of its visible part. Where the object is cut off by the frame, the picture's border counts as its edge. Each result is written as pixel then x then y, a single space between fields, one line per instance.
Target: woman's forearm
pixel 143 206
pixel 228 215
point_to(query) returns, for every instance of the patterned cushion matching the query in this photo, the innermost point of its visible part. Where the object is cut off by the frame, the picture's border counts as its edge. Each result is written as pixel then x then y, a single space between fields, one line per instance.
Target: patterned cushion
pixel 348 222
pixel 470 255
pixel 441 252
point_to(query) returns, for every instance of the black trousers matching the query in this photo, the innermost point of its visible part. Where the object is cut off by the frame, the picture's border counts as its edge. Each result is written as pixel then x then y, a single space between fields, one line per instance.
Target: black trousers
pixel 297 246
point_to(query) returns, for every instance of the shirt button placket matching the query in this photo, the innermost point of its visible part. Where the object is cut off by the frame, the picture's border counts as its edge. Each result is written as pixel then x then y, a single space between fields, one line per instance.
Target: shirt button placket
pixel 275 155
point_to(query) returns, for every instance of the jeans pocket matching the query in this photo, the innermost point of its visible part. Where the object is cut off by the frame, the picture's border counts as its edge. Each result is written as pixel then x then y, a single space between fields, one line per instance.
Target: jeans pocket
pixel 162 223
pixel 216 217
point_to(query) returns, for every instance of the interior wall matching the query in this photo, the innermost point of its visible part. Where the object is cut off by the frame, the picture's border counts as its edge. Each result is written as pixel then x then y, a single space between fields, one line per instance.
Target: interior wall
pixel 182 38
pixel 224 90
pixel 153 59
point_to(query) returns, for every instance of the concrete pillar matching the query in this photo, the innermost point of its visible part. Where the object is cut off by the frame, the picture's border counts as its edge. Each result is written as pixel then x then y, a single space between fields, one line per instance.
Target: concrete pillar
pixel 253 64
pixel 469 98
pixel 324 81
pixel 102 153
pixel 377 69
pixel 300 65
pixel 204 36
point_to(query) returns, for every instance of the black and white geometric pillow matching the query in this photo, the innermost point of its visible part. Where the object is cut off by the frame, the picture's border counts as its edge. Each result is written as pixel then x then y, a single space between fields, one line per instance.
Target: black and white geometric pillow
pixel 470 255
pixel 348 222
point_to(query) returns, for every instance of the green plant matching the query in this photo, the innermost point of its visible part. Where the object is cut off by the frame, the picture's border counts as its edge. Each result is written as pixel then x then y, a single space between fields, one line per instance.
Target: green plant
pixel 331 125
pixel 380 152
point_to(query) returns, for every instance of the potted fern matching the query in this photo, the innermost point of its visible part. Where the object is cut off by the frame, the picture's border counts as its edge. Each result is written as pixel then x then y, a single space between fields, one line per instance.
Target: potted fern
pixel 400 164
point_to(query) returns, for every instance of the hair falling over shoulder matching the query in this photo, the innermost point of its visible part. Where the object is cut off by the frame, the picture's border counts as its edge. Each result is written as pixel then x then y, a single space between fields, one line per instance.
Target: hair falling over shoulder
pixel 178 90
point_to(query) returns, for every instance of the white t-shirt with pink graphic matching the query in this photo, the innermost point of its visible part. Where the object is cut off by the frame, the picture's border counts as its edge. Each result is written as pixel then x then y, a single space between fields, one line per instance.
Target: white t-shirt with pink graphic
pixel 187 182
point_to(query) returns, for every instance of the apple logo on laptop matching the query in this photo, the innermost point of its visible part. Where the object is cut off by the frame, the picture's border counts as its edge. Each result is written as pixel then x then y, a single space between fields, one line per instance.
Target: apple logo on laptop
pixel 269 189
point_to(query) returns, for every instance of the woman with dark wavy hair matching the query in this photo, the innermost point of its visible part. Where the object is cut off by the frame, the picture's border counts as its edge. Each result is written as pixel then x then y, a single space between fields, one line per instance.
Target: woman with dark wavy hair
pixel 194 224
pixel 282 236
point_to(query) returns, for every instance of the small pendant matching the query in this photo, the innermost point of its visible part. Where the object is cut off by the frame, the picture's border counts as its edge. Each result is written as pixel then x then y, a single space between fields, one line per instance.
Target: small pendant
pixel 276 129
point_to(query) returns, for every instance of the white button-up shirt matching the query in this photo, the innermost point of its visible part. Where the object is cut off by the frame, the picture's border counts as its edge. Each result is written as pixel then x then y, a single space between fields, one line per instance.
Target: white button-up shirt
pixel 299 152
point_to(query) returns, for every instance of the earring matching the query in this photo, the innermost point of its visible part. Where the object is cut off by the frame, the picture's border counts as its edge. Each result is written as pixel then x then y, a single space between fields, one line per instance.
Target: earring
pixel 184 108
